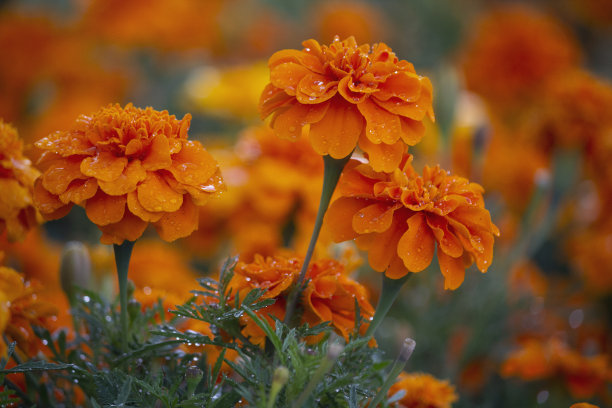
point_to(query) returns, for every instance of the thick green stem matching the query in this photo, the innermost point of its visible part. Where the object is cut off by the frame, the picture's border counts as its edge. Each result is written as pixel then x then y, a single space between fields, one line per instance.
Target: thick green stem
pixel 123 253
pixel 332 170
pixel 390 290
pixel 398 366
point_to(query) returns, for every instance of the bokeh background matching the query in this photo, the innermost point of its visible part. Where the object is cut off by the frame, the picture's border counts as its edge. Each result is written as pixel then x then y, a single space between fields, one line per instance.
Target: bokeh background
pixel 523 106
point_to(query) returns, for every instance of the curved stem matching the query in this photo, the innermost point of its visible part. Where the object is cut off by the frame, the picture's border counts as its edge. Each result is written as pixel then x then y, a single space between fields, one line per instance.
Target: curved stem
pixel 123 253
pixel 398 366
pixel 390 290
pixel 331 174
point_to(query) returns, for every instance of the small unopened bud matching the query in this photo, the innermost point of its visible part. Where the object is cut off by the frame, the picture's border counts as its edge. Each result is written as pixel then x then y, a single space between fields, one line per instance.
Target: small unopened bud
pixel 407 349
pixel 75 267
pixel 281 376
pixel 193 375
pixel 334 350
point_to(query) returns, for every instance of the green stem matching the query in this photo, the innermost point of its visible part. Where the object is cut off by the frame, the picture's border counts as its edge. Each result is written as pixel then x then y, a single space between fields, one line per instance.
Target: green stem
pixel 398 366
pixel 390 290
pixel 331 174
pixel 123 253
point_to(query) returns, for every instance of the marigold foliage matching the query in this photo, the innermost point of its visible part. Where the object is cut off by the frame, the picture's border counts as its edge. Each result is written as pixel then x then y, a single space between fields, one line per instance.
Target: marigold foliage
pixel 399 218
pixel 127 167
pixel 349 95
pixel 17 211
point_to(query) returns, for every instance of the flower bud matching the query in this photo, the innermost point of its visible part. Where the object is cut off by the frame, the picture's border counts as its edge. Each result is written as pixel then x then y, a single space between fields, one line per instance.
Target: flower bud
pixel 75 267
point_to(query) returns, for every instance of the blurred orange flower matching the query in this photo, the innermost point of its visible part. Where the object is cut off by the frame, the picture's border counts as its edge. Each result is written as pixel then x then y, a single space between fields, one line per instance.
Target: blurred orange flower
pixel 348 18
pixel 513 51
pixel 348 95
pixel 590 251
pixel 127 167
pixel 17 211
pixel 583 405
pixel 422 391
pixel 399 217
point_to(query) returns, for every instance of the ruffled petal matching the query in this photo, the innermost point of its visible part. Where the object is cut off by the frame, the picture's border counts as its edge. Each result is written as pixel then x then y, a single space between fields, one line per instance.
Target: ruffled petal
pixel 103 209
pixel 382 247
pixel 416 246
pixel 137 209
pixel 382 126
pixel 159 154
pixel 337 133
pixel 353 183
pixel 66 144
pixel 155 195
pixel 129 228
pixel 315 88
pixel 403 85
pixel 104 166
pixel 412 131
pixel 376 217
pixel 287 76
pixel 345 88
pixel 339 217
pixel 272 99
pixel 383 157
pixel 453 269
pixel 48 204
pixel 288 123
pixel 61 173
pixel 411 110
pixel 180 223
pixel 79 191
pixel 396 268
pixel 133 174
pixel 447 241
pixel 193 165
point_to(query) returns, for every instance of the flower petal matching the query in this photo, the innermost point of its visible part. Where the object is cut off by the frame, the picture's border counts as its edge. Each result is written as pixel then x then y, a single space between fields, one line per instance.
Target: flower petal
pixel 129 228
pixel 288 123
pixel 133 174
pixel 412 131
pixel 159 154
pixel 383 157
pixel 376 217
pixel 272 99
pixel 155 195
pixel 410 110
pixel 314 88
pixel 403 85
pixel 453 269
pixel 337 132
pixel 48 204
pixel 79 191
pixel 416 246
pixel 61 173
pixel 103 209
pixel 137 209
pixel 104 166
pixel 180 223
pixel 287 76
pixel 447 241
pixel 193 165
pixel 339 217
pixel 382 126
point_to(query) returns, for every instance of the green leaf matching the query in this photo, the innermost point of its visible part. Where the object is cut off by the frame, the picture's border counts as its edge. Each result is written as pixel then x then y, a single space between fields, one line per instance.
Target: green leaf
pixel 30 366
pixel 278 345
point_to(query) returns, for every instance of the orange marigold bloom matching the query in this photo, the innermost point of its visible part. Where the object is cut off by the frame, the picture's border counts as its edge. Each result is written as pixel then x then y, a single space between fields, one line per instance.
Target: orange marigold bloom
pixel 399 217
pixel 17 211
pixel 127 167
pixel 348 95
pixel 423 391
pixel 512 51
pixel 583 405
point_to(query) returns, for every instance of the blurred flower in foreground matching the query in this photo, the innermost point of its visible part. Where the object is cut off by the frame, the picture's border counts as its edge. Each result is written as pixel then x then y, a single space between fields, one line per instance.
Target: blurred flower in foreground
pixel 591 252
pixel 127 167
pixel 422 391
pixel 538 359
pixel 513 51
pixel 232 91
pixel 399 217
pixel 583 405
pixel 347 18
pixel 17 211
pixel 329 296
pixel 349 95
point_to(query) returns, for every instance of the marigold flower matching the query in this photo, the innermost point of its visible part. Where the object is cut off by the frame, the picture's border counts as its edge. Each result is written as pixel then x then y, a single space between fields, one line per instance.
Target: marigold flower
pixel 583 405
pixel 423 391
pixel 127 167
pixel 513 51
pixel 348 95
pixel 399 217
pixel 17 211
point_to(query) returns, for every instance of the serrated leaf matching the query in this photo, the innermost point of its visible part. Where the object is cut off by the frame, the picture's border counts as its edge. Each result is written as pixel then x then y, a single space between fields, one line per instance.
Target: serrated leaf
pixel 39 365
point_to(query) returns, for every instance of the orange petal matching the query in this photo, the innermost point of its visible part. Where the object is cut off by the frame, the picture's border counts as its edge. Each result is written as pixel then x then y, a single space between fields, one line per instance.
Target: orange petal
pixel 288 123
pixel 345 88
pixel 382 126
pixel 48 204
pixel 178 224
pixel 129 228
pixel 382 248
pixel 79 191
pixel 287 76
pixel 403 85
pixel 337 133
pixel 354 184
pixel 159 154
pixel 193 165
pixel 453 270
pixel 339 217
pixel 396 269
pixel 61 173
pixel 383 157
pixel 200 194
pixel 103 209
pixel 134 146
pixel 272 99
pixel 376 217
pixel 137 209
pixel 447 241
pixel 412 131
pixel 104 166
pixel 133 174
pixel 66 144
pixel 416 247
pixel 411 110
pixel 155 195
pixel 314 88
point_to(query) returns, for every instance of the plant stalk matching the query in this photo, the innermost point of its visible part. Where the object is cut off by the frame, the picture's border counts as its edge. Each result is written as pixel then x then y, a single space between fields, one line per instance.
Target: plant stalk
pixel 398 366
pixel 123 253
pixel 390 290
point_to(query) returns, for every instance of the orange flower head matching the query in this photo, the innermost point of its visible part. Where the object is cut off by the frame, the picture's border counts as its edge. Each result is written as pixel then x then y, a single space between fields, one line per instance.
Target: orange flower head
pixel 423 391
pixel 17 211
pixel 512 51
pixel 348 95
pixel 127 167
pixel 399 217
pixel 274 274
pixel 583 405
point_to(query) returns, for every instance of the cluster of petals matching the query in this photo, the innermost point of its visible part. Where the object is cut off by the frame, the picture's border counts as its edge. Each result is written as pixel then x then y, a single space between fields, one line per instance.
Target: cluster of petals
pixel 538 359
pixel 399 217
pixel 17 211
pixel 329 296
pixel 348 95
pixel 127 167
pixel 422 391
pixel 20 308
